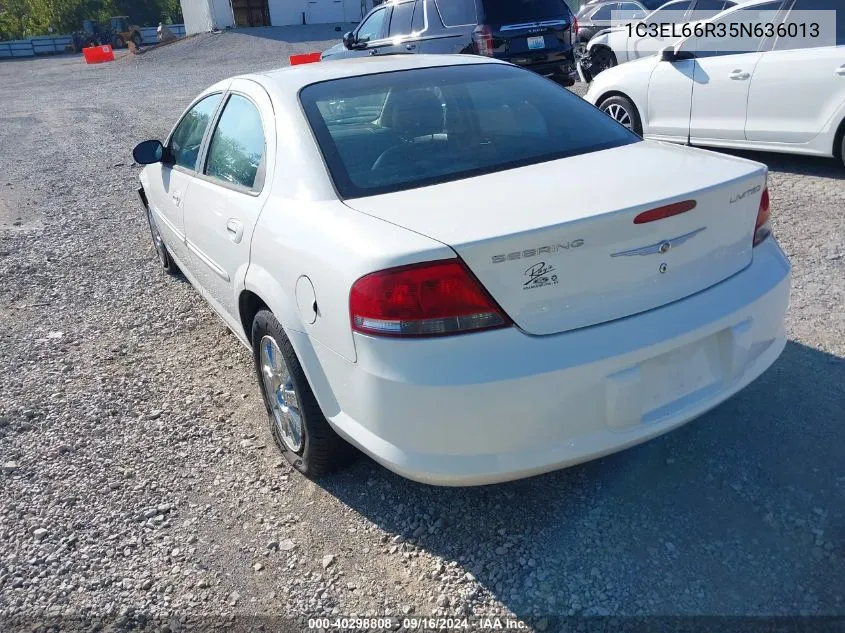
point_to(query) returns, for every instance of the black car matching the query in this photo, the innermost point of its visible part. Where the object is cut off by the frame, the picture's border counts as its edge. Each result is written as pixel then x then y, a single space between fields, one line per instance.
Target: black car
pixel 536 34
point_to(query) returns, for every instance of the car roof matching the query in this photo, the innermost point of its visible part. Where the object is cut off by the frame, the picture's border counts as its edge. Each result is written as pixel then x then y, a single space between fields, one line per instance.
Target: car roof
pixel 292 79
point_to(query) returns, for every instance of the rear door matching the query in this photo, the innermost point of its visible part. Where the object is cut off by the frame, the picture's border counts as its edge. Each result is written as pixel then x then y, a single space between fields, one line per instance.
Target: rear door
pixel 228 194
pixel 723 71
pixel 529 32
pixel 399 32
pixel 815 76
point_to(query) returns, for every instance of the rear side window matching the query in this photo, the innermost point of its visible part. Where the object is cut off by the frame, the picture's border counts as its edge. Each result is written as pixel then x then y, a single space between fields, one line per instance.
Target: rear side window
pixel 651 5
pixel 400 21
pixel 500 12
pixel 456 12
pixel 819 5
pixel 447 123
pixel 605 12
pixel 419 17
pixel 705 9
pixel 187 137
pixel 236 152
pixel 743 19
pixel 672 12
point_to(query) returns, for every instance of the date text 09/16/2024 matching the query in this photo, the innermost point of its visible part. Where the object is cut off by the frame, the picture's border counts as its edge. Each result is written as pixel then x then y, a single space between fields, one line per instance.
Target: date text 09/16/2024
pixel 417 623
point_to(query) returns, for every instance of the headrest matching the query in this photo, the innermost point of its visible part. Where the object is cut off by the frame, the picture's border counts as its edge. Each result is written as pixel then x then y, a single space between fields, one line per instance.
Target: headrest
pixel 416 113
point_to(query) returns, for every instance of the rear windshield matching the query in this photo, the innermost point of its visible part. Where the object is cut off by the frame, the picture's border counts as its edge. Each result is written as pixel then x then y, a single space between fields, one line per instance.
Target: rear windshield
pixel 407 129
pixel 499 12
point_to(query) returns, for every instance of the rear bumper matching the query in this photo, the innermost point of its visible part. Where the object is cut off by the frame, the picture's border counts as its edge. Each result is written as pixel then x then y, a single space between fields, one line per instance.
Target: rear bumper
pixel 553 64
pixel 500 405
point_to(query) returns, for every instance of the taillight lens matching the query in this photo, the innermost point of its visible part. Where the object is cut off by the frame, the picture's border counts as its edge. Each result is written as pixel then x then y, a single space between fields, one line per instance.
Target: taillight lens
pixel 575 27
pixel 763 227
pixel 428 299
pixel 482 37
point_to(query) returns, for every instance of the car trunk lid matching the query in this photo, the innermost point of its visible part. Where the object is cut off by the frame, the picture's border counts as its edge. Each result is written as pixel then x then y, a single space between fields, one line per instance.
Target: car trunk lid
pixel 556 243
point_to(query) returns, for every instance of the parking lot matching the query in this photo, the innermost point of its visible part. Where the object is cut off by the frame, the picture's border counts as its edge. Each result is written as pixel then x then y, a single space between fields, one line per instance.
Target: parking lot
pixel 139 474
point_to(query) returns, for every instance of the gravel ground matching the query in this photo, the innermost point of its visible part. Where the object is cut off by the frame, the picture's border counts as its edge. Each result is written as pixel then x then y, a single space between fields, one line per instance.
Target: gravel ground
pixel 139 478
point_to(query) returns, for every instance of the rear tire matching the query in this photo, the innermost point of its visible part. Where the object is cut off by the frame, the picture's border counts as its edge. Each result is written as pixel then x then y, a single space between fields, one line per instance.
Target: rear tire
pixel 297 423
pixel 623 111
pixel 137 39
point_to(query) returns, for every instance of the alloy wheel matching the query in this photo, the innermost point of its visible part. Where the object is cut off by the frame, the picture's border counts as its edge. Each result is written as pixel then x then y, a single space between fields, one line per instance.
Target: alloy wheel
pixel 281 395
pixel 620 115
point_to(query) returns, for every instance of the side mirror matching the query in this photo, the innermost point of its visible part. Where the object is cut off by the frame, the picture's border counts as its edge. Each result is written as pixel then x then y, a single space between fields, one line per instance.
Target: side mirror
pixel 148 152
pixel 349 40
pixel 668 54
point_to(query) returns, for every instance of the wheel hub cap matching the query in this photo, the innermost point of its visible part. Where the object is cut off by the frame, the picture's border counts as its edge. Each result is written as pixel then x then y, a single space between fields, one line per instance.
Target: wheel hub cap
pixel 281 396
pixel 619 114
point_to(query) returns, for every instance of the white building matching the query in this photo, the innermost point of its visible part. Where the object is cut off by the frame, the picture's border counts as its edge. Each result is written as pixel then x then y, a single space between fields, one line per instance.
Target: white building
pixel 205 15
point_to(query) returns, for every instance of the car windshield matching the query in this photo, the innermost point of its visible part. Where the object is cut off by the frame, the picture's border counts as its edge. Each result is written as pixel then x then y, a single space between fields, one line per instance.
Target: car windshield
pixel 514 11
pixel 407 129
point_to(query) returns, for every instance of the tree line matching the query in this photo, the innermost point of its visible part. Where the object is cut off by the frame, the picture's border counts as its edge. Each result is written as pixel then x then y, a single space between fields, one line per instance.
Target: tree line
pixel 26 18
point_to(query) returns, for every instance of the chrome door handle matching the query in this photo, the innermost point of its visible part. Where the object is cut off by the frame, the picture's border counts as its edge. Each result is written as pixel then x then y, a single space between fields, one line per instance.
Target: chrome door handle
pixel 235 230
pixel 841 71
pixel 373 51
pixel 739 75
pixel 410 47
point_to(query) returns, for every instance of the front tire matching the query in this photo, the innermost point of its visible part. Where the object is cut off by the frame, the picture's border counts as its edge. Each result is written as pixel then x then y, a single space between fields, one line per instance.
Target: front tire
pixel 163 255
pixel 623 111
pixel 297 423
pixel 600 60
pixel 842 150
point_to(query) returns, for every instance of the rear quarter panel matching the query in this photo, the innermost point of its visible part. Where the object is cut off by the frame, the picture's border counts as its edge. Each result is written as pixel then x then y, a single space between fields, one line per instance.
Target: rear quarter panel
pixel 333 246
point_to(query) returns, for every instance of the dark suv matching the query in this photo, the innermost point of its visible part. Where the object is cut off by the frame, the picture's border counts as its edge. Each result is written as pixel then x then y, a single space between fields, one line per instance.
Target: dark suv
pixel 536 34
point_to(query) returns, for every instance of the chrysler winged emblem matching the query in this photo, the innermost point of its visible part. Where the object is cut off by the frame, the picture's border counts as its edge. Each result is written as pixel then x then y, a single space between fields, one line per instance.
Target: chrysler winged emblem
pixel 663 246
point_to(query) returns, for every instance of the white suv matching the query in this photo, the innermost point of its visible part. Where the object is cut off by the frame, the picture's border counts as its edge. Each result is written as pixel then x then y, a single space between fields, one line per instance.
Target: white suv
pixel 778 98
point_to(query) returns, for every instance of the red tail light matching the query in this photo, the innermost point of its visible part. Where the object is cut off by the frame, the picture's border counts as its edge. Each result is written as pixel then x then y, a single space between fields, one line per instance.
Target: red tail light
pixel 763 227
pixel 575 26
pixel 428 299
pixel 482 37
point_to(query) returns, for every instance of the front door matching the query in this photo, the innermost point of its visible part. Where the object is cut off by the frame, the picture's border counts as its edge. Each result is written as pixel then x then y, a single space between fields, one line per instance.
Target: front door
pixel 170 181
pixel 669 97
pixel 228 193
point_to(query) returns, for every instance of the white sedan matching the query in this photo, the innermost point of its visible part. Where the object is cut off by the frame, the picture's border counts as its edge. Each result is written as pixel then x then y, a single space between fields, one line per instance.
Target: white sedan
pixel 629 41
pixel 774 94
pixel 406 245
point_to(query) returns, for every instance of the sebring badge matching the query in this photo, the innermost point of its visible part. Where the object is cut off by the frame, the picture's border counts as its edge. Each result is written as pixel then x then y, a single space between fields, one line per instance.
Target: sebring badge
pixel 662 247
